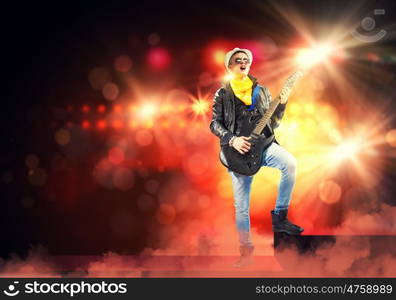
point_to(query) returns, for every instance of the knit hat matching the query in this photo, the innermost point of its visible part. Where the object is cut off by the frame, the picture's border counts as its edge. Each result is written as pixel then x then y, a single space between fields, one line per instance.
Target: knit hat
pixel 229 54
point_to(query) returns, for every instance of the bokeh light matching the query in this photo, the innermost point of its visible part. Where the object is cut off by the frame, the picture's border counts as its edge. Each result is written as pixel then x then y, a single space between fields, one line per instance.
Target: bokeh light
pixel 32 161
pixel 329 191
pixel 158 58
pixel 62 137
pixel 101 124
pixel 110 91
pixel 98 77
pixel 101 108
pixel 123 63
pixel 37 177
pixel 152 186
pixel 146 203
pixel 116 155
pixel 123 178
pixel 153 39
pixel 144 137
pixel 85 124
pixel 166 214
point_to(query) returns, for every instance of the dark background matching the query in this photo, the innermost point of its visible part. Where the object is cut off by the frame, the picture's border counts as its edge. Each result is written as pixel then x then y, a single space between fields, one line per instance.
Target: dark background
pixel 47 51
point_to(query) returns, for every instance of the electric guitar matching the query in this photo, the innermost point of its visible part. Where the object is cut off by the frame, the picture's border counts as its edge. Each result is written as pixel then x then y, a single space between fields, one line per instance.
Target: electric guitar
pixel 250 162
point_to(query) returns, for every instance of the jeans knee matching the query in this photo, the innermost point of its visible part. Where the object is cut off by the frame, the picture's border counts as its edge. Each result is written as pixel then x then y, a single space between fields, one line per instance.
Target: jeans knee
pixel 290 166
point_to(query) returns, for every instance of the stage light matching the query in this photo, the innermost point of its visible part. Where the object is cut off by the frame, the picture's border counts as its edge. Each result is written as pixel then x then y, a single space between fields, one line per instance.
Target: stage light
pixel 101 124
pixel 117 124
pixel 85 108
pixel 101 108
pixel 85 124
pixel 117 108
pixel 307 58
pixel 147 110
pixel 200 107
pixel 347 150
pixel 228 77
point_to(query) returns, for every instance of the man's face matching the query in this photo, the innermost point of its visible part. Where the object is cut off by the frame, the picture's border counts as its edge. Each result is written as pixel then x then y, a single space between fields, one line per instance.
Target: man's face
pixel 239 64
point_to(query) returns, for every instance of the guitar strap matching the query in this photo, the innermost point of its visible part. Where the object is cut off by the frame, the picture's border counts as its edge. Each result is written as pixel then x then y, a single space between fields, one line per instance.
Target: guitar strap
pixel 256 92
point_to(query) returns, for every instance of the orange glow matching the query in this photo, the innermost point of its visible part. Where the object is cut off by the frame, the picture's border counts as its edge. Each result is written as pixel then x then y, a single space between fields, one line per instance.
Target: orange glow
pixel 117 108
pixel 149 124
pixel 391 137
pixel 118 124
pixel 218 57
pixel 132 124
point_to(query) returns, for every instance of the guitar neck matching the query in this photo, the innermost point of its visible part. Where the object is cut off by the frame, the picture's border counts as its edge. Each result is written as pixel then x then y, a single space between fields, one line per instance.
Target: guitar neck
pixel 268 114
pixel 285 92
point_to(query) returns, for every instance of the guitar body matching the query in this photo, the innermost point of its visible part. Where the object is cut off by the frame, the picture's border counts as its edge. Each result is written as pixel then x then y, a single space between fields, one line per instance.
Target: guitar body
pixel 250 162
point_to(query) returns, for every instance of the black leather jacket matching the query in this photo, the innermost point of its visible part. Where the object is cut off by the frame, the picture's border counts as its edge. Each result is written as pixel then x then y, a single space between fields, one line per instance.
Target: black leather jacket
pixel 223 111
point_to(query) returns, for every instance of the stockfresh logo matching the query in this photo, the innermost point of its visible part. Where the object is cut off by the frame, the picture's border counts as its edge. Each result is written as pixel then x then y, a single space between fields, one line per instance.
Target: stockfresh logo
pixel 12 290
pixel 70 288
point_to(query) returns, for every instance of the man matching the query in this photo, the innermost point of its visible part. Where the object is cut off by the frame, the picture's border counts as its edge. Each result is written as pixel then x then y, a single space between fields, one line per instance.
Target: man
pixel 239 98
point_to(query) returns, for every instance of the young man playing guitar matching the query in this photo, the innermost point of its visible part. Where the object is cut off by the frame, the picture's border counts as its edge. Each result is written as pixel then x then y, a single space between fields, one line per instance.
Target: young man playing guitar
pixel 238 103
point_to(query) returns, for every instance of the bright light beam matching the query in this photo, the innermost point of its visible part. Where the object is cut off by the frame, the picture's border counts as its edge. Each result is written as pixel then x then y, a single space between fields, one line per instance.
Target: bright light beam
pixel 346 150
pixel 307 58
pixel 147 110
pixel 200 107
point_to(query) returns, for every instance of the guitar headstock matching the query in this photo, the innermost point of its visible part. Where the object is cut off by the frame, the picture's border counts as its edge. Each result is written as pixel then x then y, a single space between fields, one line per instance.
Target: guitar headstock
pixel 293 78
pixel 290 81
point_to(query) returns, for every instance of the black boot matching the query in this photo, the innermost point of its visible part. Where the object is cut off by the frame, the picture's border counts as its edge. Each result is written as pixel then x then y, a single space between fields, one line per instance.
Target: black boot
pixel 246 256
pixel 280 223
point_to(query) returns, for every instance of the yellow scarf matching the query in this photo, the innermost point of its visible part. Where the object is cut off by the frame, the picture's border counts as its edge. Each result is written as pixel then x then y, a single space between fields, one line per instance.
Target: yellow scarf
pixel 242 88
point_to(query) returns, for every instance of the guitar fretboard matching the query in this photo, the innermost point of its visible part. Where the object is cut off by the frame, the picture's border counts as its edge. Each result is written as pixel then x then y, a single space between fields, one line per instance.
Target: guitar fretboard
pixel 274 103
pixel 264 120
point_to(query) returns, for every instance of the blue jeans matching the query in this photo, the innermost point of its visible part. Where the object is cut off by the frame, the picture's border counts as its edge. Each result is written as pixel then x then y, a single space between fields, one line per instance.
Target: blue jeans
pixel 274 156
